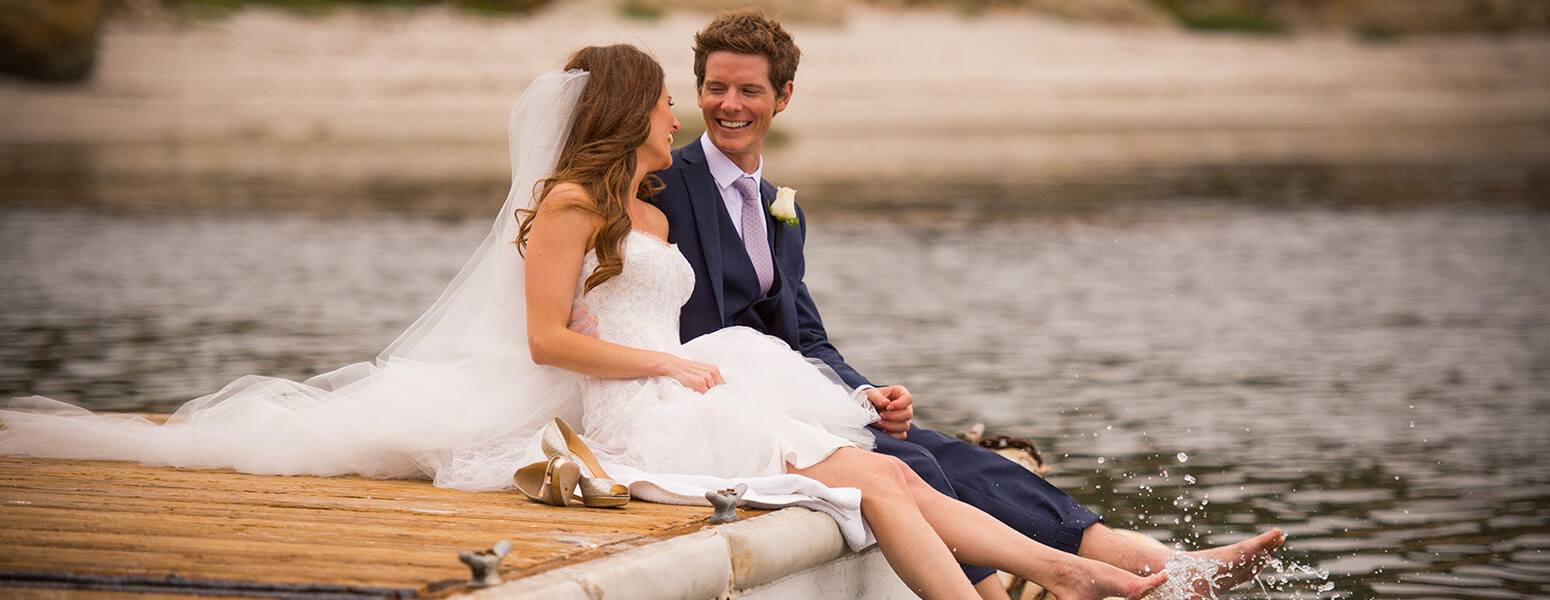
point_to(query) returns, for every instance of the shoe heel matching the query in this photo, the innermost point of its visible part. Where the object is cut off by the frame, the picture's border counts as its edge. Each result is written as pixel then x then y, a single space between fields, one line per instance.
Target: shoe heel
pixel 550 482
pixel 562 481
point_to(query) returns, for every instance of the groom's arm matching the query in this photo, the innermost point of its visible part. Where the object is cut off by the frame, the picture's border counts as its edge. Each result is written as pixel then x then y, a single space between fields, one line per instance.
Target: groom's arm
pixel 894 404
pixel 812 339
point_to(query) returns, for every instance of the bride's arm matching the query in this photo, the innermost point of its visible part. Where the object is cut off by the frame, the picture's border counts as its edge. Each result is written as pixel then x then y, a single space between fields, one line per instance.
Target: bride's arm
pixel 556 245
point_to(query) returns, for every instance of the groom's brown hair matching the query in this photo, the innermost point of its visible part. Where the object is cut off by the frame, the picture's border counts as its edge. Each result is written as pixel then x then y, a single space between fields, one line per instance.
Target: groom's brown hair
pixel 748 31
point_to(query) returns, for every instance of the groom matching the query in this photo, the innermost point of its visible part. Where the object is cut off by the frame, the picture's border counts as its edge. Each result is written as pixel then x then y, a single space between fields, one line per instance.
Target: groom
pixel 748 270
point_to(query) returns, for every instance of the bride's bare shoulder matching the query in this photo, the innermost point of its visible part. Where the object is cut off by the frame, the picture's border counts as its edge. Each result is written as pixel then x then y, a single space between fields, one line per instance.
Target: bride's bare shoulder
pixel 567 195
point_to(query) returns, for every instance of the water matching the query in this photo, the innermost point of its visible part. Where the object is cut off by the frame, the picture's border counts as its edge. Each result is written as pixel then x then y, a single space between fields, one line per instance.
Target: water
pixel 1372 377
pixel 1375 382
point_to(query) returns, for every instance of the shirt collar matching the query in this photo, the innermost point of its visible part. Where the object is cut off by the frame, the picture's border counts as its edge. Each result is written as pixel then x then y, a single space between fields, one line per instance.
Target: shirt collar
pixel 722 168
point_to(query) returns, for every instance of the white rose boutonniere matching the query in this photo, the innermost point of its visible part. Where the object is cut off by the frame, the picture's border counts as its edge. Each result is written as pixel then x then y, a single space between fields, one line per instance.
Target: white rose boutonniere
pixel 784 208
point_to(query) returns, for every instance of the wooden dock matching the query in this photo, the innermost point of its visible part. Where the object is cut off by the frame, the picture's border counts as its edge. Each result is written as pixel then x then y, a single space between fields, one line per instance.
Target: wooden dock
pixel 123 527
pixel 92 530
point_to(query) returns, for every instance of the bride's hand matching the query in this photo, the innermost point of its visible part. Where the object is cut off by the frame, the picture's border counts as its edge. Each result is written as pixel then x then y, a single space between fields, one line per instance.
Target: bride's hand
pixel 697 376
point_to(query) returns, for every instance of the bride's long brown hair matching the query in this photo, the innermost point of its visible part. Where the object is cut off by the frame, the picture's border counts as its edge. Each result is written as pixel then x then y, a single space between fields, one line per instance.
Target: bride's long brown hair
pixel 612 119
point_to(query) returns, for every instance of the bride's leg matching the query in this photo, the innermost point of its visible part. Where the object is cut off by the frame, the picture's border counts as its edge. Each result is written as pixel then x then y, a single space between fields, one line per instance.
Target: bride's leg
pixel 977 538
pixel 912 548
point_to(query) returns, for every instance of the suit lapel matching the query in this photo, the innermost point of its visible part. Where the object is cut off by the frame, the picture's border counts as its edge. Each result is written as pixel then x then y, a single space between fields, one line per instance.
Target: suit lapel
pixel 705 202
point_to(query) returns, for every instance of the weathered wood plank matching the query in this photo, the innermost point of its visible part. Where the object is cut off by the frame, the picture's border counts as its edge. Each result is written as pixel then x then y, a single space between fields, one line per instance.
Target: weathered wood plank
pixel 360 514
pixel 115 518
pixel 18 593
pixel 403 533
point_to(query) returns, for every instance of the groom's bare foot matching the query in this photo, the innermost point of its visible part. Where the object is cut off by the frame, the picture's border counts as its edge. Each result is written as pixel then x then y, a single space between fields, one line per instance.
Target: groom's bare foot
pixel 1204 573
pixel 1242 560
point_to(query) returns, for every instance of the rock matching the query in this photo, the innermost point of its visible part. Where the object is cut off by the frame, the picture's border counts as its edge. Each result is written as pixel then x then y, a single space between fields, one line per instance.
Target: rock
pixel 49 40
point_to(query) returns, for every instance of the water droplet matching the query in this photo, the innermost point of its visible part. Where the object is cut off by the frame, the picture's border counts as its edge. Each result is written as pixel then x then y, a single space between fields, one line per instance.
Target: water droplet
pixel 1110 428
pixel 1189 478
pixel 1183 457
pixel 1102 460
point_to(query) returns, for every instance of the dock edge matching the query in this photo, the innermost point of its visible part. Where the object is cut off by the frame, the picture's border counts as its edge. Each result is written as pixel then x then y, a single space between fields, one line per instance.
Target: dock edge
pixel 790 553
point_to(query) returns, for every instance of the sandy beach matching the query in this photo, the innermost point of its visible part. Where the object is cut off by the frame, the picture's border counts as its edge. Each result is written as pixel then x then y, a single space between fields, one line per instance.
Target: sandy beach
pixel 884 95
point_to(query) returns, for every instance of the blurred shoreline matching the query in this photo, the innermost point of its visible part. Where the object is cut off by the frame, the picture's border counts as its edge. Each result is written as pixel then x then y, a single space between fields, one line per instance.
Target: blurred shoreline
pixel 891 106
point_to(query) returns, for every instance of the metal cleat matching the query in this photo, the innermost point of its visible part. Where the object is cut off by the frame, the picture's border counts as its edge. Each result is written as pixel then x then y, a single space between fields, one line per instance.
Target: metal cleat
pixel 485 564
pixel 725 503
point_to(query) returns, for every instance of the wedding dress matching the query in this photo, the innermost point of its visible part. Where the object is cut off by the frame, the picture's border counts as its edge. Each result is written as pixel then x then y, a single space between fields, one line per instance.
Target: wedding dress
pixel 457 398
pixel 775 407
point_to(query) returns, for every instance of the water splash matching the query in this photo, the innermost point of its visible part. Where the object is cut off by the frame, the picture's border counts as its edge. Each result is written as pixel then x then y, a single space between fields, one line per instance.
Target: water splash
pixel 1295 581
pixel 1194 578
pixel 1187 576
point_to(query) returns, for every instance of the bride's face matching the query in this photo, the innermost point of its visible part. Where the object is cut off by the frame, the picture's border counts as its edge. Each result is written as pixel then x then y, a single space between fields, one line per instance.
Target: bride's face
pixel 656 153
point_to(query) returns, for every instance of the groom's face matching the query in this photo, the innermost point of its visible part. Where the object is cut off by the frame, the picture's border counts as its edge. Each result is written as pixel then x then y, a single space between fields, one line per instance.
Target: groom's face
pixel 739 102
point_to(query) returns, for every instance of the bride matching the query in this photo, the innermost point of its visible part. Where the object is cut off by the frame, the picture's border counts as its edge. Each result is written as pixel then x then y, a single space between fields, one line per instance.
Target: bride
pixel 465 394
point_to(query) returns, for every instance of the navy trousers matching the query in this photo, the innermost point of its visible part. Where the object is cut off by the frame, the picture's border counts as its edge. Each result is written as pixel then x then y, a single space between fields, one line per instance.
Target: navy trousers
pixel 1000 487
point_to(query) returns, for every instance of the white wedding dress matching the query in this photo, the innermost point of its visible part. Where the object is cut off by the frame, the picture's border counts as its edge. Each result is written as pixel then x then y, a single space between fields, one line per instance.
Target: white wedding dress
pixel 775 408
pixel 457 398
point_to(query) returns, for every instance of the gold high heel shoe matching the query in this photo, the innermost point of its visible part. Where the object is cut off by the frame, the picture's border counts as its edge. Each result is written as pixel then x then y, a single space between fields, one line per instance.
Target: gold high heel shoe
pixel 550 482
pixel 597 491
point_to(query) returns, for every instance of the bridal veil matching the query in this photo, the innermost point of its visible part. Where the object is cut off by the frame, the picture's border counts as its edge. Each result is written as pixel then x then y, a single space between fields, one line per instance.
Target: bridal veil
pixel 455 398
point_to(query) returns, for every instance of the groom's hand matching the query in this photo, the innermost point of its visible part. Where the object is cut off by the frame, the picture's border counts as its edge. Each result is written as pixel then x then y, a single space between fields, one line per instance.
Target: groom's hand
pixel 582 322
pixel 896 407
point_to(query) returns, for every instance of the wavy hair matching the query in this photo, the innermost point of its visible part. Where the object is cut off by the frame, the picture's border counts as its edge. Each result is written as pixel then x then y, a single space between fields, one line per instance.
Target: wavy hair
pixel 612 119
pixel 748 31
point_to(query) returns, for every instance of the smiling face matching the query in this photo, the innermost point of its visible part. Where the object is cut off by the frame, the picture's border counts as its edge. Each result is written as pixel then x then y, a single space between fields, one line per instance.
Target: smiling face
pixel 656 153
pixel 739 102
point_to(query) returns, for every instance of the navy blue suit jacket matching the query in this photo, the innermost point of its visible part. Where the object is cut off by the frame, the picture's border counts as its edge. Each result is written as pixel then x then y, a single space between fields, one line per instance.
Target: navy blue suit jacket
pixel 725 290
pixel 695 214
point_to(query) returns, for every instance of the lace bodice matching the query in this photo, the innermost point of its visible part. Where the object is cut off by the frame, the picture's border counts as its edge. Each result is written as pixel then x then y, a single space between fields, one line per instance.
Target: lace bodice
pixel 639 306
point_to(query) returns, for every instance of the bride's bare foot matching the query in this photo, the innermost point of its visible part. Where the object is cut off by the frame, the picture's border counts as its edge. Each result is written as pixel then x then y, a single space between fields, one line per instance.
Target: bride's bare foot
pixel 1088 579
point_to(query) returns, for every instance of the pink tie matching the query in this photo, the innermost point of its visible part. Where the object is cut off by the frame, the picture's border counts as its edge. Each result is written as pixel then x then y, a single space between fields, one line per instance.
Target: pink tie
pixel 753 234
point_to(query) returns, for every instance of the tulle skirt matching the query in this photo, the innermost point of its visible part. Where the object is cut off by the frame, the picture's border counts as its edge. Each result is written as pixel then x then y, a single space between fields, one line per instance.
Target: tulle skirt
pixel 455 424
pixel 470 425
